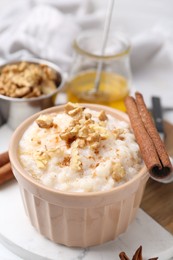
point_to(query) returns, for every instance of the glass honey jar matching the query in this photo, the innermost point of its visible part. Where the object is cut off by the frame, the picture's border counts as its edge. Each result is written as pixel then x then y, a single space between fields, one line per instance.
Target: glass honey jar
pixel 115 77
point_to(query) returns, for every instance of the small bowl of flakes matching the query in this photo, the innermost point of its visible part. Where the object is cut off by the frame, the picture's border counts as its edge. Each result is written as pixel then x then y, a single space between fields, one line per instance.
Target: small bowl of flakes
pixel 26 87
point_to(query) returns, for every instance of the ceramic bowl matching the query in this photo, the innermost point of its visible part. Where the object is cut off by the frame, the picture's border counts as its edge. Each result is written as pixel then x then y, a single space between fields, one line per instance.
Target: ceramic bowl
pixel 77 219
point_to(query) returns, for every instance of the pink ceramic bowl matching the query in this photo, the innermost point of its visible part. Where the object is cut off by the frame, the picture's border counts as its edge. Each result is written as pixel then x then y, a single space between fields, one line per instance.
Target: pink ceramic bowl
pixel 77 219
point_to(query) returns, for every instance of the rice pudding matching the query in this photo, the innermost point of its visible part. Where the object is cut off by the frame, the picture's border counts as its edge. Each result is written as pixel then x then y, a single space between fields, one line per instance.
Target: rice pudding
pixel 80 150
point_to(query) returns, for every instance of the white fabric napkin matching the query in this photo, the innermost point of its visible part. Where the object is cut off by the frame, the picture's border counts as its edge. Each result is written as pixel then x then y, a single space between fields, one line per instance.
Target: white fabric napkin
pixel 44 28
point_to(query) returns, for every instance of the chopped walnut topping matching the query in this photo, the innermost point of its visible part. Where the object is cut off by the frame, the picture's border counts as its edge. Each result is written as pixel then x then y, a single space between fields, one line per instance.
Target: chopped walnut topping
pixel 84 128
pixel 81 143
pixel 118 171
pixel 59 151
pixel 102 123
pixel 88 122
pixel 102 116
pixel 93 137
pixel 95 146
pixel 41 158
pixel 75 162
pixel 67 135
pixel 77 112
pixel 41 164
pixel 118 132
pixel 74 111
pixel 83 132
pixel 70 134
pixel 69 106
pixel 45 121
pixel 88 116
pixel 101 130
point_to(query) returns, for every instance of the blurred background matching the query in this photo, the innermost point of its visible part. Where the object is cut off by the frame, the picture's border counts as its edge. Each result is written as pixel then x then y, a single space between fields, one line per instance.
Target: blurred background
pixel 46 29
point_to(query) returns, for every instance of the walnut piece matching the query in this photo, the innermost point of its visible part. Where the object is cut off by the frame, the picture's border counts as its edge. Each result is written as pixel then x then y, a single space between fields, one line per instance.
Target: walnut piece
pixel 118 171
pixel 81 143
pixel 76 113
pixel 118 133
pixel 75 163
pixel 44 121
pixel 102 116
pixel 69 106
pixel 88 116
pixel 67 136
pixel 41 158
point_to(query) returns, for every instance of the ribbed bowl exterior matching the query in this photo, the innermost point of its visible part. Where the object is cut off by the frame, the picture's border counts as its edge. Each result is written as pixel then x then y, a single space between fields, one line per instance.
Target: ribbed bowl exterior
pixel 77 219
pixel 84 225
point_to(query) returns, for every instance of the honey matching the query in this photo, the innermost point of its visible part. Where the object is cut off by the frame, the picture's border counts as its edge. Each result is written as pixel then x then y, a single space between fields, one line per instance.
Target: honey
pixel 113 89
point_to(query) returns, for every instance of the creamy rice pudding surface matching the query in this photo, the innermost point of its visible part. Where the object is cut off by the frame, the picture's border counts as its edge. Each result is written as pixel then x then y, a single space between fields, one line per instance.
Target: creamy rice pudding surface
pixel 80 150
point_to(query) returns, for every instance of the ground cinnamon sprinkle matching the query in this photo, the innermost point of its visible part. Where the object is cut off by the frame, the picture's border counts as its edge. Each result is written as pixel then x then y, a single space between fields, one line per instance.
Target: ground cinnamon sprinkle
pixel 151 146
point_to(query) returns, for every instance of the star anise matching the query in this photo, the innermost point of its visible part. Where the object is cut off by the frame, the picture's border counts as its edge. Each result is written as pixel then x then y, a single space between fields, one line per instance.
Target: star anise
pixel 137 255
pixel 123 256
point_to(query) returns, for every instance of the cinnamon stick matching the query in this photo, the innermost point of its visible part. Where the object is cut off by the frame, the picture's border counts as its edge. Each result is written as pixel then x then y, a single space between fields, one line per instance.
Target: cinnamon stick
pixel 145 143
pixel 152 131
pixel 6 173
pixel 158 163
pixel 4 158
